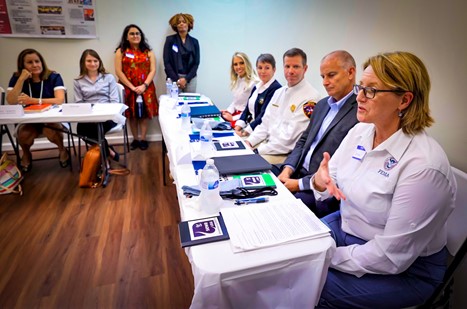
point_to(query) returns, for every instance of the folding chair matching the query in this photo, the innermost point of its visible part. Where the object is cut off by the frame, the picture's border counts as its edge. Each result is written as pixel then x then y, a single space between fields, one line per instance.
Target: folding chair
pixel 67 129
pixel 457 245
pixel 5 130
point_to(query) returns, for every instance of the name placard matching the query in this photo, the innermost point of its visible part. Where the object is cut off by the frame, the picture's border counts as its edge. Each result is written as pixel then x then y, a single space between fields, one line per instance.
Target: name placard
pixel 8 111
pixel 76 108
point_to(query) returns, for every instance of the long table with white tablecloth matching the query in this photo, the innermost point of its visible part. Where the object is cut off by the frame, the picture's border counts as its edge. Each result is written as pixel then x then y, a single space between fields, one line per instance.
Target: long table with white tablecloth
pixel 284 276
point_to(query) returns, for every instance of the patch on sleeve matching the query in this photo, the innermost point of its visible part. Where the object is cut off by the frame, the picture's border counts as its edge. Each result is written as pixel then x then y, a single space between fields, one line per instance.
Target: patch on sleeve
pixel 308 108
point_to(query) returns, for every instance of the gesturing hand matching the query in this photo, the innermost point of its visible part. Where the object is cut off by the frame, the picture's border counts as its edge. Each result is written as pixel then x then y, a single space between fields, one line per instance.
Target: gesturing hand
pixel 323 180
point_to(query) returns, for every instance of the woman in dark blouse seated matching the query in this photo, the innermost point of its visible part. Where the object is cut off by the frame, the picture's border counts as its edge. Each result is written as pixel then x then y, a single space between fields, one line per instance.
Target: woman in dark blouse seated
pixel 34 83
pixel 260 95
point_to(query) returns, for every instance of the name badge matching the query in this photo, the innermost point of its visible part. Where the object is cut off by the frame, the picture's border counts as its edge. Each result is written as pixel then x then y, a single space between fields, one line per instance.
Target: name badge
pixel 359 153
pixel 129 55
pixel 175 48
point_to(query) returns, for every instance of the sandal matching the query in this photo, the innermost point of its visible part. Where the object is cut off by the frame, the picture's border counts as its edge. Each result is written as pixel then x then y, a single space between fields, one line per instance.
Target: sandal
pixel 65 162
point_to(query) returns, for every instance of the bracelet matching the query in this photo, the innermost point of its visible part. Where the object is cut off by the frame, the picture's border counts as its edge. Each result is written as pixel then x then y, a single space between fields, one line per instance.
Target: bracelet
pixel 40 101
pixel 147 86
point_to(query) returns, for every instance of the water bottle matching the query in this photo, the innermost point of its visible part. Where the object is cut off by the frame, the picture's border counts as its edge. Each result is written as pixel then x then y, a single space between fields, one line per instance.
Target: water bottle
pixel 210 200
pixel 185 114
pixel 168 86
pixel 174 91
pixel 139 106
pixel 205 139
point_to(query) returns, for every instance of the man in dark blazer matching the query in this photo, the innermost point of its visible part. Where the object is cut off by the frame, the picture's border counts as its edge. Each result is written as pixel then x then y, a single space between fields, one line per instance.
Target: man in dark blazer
pixel 332 118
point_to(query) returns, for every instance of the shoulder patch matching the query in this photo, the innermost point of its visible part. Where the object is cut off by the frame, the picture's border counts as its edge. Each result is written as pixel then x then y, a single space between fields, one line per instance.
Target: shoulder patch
pixel 308 108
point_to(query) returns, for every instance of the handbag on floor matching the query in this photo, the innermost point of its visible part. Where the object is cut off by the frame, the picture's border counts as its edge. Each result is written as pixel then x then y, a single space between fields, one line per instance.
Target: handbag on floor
pixel 90 176
pixel 10 177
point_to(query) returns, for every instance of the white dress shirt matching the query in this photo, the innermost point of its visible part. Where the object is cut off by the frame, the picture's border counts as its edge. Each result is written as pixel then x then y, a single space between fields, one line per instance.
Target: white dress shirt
pixel 399 196
pixel 240 93
pixel 334 107
pixel 285 119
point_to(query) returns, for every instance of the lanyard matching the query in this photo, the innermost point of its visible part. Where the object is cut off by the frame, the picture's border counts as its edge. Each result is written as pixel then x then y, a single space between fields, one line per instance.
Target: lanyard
pixel 40 95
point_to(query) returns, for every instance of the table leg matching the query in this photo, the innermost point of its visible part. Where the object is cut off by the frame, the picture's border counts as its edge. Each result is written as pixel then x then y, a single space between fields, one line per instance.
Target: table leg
pixel 105 169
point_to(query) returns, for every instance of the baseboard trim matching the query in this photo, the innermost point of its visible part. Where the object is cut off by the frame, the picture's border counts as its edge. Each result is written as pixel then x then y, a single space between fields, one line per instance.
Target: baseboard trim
pixel 44 143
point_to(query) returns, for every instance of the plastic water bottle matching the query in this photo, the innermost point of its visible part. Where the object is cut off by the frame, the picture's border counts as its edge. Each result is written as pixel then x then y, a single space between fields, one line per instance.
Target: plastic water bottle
pixel 185 114
pixel 174 91
pixel 168 86
pixel 139 106
pixel 210 200
pixel 205 139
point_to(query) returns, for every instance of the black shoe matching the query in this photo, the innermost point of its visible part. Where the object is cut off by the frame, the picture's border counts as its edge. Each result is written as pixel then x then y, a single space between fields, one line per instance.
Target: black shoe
pixel 143 145
pixel 134 144
pixel 116 156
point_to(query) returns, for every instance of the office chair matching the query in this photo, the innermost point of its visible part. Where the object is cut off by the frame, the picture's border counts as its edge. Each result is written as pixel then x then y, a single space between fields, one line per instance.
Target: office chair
pixel 5 130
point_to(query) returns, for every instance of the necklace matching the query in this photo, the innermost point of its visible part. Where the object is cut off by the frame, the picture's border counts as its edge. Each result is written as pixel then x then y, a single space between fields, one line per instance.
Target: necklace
pixel 40 95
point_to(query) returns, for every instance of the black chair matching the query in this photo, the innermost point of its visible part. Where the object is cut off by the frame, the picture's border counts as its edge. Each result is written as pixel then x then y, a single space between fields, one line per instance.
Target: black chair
pixel 457 246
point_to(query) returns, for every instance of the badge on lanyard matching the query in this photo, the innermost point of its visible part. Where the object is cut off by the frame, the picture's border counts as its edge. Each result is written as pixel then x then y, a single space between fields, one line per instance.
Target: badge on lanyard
pixel 359 153
pixel 130 55
pixel 175 48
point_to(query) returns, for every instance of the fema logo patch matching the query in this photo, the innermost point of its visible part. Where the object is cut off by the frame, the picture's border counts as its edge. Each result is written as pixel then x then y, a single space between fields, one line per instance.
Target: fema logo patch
pixel 308 108
pixel 389 163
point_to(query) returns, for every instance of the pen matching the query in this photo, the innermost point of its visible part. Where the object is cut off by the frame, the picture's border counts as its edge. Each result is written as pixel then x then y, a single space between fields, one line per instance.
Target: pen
pixel 246 201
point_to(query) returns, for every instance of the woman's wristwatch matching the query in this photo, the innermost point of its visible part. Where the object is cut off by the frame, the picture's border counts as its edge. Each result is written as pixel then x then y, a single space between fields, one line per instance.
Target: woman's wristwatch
pixel 147 86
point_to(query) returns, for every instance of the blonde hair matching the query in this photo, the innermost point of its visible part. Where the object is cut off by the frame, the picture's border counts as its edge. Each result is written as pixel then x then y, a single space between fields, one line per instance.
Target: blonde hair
pixel 173 21
pixel 406 72
pixel 250 73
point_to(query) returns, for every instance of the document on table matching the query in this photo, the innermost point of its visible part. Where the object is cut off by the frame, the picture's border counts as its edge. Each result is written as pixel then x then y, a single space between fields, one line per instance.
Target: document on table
pixel 256 226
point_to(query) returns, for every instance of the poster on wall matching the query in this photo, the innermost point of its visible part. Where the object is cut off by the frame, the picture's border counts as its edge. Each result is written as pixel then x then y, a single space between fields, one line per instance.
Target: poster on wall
pixel 48 18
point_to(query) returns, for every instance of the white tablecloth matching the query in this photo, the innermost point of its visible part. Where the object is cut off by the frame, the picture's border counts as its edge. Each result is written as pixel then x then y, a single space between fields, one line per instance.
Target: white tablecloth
pixel 100 112
pixel 285 276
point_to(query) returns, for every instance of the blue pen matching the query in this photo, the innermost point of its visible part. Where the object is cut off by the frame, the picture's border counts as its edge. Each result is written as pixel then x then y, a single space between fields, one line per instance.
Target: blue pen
pixel 246 201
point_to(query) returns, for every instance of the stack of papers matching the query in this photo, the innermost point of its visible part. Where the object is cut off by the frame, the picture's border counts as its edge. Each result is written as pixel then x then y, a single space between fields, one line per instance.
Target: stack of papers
pixel 270 224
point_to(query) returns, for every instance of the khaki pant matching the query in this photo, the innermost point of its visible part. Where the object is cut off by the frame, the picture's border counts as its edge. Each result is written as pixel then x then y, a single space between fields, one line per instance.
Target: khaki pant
pixel 274 159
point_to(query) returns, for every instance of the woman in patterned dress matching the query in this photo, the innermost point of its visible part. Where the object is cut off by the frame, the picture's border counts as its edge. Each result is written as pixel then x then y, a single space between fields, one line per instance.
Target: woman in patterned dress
pixel 135 66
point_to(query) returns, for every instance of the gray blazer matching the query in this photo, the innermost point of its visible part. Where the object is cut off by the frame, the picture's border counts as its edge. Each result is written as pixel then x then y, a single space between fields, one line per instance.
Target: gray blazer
pixel 345 119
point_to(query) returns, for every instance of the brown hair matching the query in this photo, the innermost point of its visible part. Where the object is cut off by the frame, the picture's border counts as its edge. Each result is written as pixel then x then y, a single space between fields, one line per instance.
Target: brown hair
pixel 173 21
pixel 82 63
pixel 20 63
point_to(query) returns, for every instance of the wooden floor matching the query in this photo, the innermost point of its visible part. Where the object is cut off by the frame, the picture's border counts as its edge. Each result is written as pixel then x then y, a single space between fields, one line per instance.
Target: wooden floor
pixel 114 247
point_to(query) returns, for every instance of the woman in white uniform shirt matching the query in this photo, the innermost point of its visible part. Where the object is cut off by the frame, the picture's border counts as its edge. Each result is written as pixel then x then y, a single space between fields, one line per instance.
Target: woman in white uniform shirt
pixel 243 78
pixel 396 189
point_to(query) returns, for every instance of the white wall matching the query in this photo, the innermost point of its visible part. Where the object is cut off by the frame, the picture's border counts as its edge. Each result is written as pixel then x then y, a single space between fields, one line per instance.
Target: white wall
pixel 431 29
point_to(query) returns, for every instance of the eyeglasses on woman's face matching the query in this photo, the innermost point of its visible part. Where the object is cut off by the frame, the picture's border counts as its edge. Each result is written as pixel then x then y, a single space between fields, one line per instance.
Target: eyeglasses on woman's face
pixel 134 33
pixel 370 92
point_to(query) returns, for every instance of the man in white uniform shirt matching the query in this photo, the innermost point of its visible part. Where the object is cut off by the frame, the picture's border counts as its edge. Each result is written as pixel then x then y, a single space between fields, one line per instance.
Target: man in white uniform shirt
pixel 288 113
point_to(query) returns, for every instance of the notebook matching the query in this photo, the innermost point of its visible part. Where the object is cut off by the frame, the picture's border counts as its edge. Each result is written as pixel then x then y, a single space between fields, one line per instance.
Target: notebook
pixel 208 111
pixel 37 108
pixel 202 231
pixel 241 164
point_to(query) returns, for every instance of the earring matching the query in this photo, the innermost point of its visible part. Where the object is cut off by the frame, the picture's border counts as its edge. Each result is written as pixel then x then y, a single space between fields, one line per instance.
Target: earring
pixel 400 114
